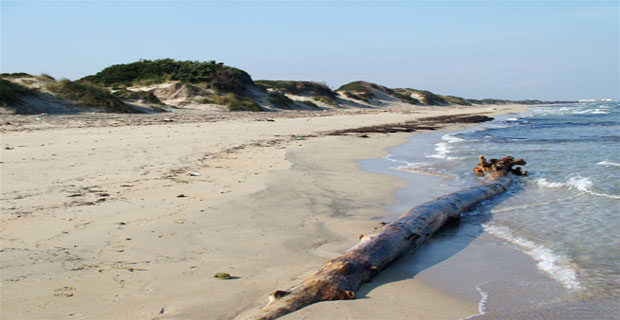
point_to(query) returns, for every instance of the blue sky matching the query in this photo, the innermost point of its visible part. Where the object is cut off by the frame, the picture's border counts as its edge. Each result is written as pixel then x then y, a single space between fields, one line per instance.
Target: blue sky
pixel 514 50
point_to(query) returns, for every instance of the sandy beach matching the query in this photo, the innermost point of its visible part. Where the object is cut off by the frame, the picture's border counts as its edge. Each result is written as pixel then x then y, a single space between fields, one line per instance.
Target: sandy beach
pixel 130 217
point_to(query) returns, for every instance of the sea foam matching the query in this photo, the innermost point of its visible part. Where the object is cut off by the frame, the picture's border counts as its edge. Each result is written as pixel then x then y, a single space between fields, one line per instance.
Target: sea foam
pixel 547 261
pixel 443 149
pixel 583 184
pixel 542 182
pixel 482 304
pixel 607 163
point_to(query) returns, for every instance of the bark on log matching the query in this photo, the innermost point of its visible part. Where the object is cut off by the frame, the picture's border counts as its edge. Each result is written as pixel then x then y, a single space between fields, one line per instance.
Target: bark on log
pixel 342 276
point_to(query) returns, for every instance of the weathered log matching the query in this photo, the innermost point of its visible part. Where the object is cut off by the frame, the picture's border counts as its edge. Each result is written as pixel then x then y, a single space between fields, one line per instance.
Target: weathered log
pixel 500 167
pixel 342 276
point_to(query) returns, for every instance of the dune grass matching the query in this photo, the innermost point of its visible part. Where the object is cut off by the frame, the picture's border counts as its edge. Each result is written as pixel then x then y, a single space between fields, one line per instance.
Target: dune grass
pixel 311 104
pixel 89 95
pixel 405 97
pixel 364 91
pixel 209 74
pixel 280 100
pixel 145 96
pixel 327 100
pixel 355 86
pixel 10 93
pixel 457 100
pixel 15 75
pixel 234 102
pixel 298 87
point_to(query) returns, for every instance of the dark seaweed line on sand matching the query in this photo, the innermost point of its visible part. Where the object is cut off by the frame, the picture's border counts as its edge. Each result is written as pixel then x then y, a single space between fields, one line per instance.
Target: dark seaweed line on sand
pixel 429 123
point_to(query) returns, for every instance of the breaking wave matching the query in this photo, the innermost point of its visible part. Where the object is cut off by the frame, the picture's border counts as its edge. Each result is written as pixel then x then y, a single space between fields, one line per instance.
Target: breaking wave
pixel 583 184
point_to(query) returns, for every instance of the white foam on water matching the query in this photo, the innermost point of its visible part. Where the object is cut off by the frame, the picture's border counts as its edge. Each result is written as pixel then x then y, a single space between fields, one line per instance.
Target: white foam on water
pixel 452 138
pixel 542 182
pixel 442 149
pixel 389 158
pixel 547 261
pixel 608 163
pixel 482 304
pixel 591 111
pixel 580 183
pixel 502 209
pixel 584 184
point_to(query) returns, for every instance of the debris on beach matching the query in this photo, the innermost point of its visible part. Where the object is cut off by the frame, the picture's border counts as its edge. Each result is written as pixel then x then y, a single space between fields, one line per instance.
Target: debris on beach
pixel 181 196
pixel 502 166
pixel 343 275
pixel 193 174
pixel 222 275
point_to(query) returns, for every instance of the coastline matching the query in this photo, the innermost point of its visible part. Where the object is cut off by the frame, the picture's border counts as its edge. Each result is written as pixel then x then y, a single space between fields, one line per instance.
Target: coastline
pixel 267 208
pixel 469 260
pixel 462 259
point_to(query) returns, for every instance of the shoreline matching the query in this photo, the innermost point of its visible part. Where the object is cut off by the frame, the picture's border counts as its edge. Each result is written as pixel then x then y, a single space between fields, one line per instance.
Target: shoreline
pixel 266 208
pixel 469 260
pixel 462 259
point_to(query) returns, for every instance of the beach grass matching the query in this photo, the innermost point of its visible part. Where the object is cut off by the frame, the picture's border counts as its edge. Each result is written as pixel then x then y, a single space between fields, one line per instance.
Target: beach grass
pixel 298 87
pixel 279 100
pixel 144 96
pixel 327 100
pixel 456 100
pixel 89 95
pixel 209 74
pixel 234 102
pixel 10 93
pixel 311 104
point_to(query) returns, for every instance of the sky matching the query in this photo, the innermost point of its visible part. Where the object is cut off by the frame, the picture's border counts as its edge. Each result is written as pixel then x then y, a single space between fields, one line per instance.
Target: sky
pixel 512 50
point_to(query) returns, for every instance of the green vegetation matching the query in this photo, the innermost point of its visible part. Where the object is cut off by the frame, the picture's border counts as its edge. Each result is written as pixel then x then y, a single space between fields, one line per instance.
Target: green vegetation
pixel 234 102
pixel 488 101
pixel 326 100
pixel 89 95
pixel 405 97
pixel 144 72
pixel 355 86
pixel 10 93
pixel 145 96
pixel 362 96
pixel 456 100
pixel 364 91
pixel 15 75
pixel 298 87
pixel 311 104
pixel 280 100
pixel 427 97
pixel 47 77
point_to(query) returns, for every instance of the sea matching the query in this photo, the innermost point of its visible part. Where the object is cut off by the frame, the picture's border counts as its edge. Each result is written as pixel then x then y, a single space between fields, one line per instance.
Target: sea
pixel 564 215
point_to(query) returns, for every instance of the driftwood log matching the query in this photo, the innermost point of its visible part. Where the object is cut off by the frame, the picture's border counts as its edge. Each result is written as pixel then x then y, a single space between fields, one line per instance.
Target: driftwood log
pixel 342 276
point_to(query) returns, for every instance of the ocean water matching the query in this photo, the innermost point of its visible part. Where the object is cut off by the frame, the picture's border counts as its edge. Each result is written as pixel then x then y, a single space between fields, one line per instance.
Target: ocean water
pixel 565 214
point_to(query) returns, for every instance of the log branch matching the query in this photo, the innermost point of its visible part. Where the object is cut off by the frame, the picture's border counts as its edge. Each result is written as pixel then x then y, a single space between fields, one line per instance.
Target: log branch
pixel 342 276
pixel 500 167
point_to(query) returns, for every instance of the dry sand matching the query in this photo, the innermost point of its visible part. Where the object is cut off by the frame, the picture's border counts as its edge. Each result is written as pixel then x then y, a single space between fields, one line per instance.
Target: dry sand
pixel 103 222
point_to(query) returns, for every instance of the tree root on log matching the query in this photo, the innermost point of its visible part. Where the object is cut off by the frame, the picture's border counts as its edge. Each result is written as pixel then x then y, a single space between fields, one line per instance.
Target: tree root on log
pixel 342 276
pixel 502 166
